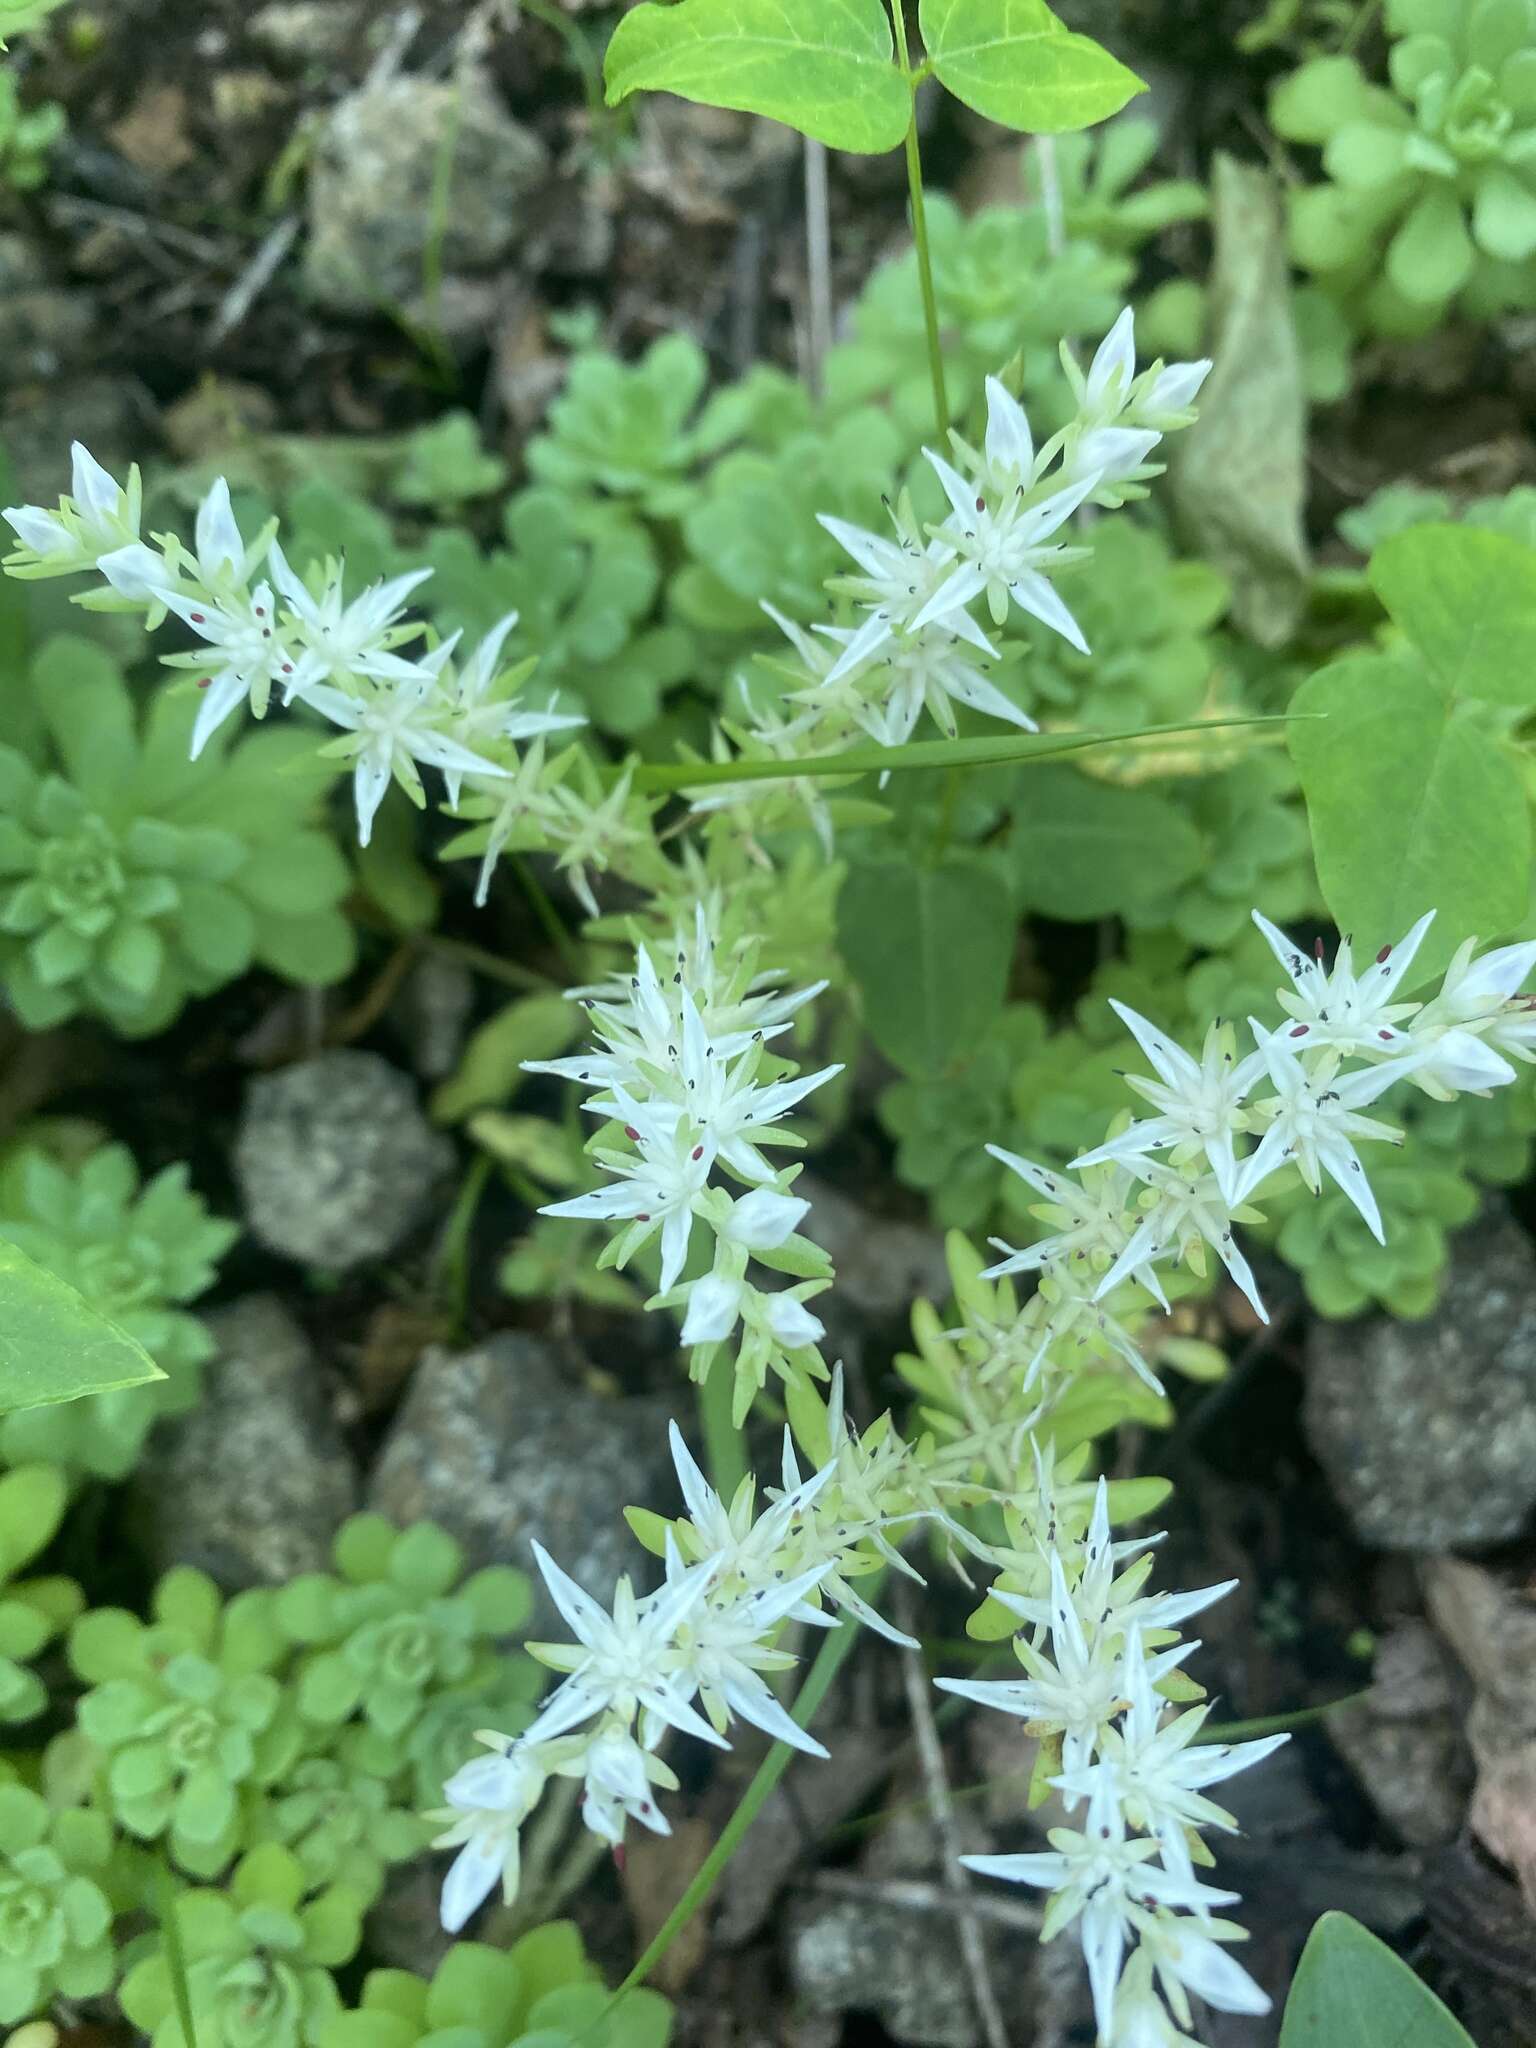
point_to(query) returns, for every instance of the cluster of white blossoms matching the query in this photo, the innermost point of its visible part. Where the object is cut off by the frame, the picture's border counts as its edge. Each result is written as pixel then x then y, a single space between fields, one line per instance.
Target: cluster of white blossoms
pixel 683 1073
pixel 918 645
pixel 1095 1647
pixel 266 633
pixel 1171 1186
pixel 689 1658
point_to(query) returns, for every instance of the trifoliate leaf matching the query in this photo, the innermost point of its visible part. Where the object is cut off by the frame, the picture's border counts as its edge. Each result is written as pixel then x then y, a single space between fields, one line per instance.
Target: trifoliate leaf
pixel 928 949
pixel 1015 62
pixel 825 67
pixel 54 1346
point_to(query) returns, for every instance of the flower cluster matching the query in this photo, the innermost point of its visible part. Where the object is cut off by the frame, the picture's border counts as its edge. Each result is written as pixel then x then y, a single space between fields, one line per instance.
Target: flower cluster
pixel 1170 1186
pixel 690 1657
pixel 918 644
pixel 1095 1647
pixel 262 628
pixel 684 1076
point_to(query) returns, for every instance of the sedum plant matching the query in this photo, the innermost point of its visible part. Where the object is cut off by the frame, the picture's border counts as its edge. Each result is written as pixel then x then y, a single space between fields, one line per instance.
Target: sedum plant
pixel 393 1627
pixel 1429 203
pixel 184 1719
pixel 56 1910
pixel 135 1253
pixel 128 885
pixel 32 1611
pixel 258 1960
pixel 541 1993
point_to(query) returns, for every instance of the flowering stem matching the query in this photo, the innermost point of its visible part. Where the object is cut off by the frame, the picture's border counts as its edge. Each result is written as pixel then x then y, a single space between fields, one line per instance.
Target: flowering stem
pixel 818 1681
pixel 725 1451
pixel 920 234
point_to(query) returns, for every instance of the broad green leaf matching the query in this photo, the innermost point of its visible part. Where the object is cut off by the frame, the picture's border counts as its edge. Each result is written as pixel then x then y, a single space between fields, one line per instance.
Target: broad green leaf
pixel 53 1346
pixel 1351 1991
pixel 532 1028
pixel 1413 807
pixel 825 67
pixel 1238 476
pixel 929 949
pixel 1083 849
pixel 1466 598
pixel 1013 61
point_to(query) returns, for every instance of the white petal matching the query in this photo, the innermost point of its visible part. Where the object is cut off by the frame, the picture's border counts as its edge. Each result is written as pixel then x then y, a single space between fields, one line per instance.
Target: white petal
pixel 39 530
pixel 1010 445
pixel 90 486
pixel 713 1307
pixel 1031 592
pixel 472 1877
pixel 223 693
pixel 218 538
pixel 1114 362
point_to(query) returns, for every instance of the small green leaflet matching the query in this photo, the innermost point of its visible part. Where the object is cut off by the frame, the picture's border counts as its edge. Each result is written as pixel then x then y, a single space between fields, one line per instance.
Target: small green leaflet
pixel 1466 598
pixel 1411 803
pixel 1351 1991
pixel 825 67
pixel 53 1347
pixel 1013 61
pixel 929 950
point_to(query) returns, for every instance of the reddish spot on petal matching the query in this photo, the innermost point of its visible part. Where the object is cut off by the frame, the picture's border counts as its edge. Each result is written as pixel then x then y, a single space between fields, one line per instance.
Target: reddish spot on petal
pixel 698 1152
pixel 644 1216
pixel 197 618
pixel 981 504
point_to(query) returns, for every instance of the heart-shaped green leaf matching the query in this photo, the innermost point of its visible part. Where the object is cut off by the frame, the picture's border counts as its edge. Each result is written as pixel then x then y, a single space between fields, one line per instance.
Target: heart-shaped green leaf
pixel 53 1346
pixel 1466 598
pixel 1351 1991
pixel 825 67
pixel 1013 61
pixel 1412 803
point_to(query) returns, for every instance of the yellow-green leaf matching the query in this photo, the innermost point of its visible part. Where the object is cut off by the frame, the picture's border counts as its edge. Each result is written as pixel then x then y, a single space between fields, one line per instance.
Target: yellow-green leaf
pixel 1013 61
pixel 825 67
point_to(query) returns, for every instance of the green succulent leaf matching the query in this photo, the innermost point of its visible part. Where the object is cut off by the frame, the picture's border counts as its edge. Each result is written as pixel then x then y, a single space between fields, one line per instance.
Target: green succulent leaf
pixel 823 66
pixel 1015 62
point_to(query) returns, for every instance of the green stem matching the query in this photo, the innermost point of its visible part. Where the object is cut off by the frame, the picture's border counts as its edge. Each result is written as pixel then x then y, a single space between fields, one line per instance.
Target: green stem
pixel 818 1681
pixel 167 1903
pixel 920 234
pixel 1007 750
pixel 725 1448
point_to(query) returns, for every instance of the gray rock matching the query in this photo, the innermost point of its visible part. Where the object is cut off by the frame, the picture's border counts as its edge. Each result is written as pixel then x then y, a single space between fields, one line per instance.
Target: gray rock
pixel 1404 1740
pixel 891 1956
pixel 335 1160
pixel 1428 1429
pixel 251 1486
pixel 500 1447
pixel 883 1265
pixel 371 188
